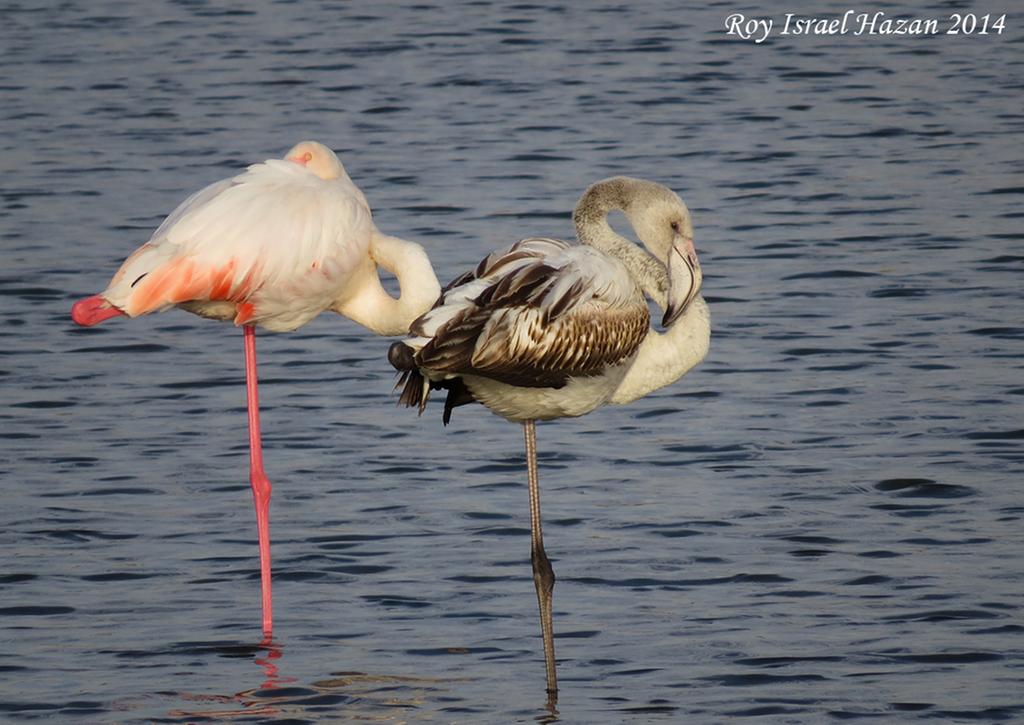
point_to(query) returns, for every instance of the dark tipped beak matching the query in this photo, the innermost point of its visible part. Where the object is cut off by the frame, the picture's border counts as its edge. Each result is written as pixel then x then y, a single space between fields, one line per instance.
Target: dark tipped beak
pixel 684 279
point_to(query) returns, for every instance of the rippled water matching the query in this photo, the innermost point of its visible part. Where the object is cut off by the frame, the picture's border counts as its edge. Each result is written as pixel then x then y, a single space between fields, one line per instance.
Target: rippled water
pixel 821 522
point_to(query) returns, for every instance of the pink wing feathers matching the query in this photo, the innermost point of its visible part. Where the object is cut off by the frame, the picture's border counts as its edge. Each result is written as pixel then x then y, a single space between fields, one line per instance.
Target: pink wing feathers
pixel 277 241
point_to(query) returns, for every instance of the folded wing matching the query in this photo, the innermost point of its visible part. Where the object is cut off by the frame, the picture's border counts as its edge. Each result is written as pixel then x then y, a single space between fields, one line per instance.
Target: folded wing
pixel 534 315
pixel 272 231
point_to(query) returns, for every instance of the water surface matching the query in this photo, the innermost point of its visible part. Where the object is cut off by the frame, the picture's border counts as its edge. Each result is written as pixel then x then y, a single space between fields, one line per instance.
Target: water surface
pixel 821 522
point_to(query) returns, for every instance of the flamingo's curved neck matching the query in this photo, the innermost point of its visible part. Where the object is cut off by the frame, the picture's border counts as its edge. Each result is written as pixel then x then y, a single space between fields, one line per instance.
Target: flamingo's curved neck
pixel 591 219
pixel 377 310
pixel 649 273
pixel 663 357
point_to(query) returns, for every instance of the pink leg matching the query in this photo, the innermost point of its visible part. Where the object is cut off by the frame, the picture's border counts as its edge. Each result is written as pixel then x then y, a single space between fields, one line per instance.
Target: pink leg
pixel 257 476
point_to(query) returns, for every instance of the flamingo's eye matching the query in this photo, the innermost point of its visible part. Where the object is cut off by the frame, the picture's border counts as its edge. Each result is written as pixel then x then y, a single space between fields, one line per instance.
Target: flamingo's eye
pixel 675 226
pixel 307 156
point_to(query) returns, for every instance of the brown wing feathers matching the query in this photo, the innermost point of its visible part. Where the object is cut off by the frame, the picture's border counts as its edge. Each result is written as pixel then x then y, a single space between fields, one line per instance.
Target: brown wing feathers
pixel 517 332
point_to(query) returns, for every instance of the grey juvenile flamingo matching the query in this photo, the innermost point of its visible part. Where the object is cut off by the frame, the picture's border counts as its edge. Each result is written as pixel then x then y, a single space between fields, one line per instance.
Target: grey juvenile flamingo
pixel 546 329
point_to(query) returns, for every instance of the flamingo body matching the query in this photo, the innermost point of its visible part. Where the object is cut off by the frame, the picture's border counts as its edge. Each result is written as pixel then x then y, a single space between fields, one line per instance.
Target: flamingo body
pixel 273 246
pixel 545 329
pixel 541 330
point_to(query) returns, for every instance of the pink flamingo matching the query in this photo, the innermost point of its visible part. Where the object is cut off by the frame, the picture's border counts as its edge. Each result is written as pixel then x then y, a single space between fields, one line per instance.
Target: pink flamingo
pixel 273 246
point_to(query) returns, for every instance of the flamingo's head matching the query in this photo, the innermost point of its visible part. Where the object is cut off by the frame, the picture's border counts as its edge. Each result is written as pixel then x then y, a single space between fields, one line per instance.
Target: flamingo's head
pixel 663 223
pixel 317 158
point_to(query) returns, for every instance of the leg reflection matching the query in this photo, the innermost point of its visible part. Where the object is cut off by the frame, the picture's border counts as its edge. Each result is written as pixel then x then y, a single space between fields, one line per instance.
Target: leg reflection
pixel 267 662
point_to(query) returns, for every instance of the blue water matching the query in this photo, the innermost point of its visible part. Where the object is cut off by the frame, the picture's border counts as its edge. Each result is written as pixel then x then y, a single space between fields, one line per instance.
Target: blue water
pixel 822 522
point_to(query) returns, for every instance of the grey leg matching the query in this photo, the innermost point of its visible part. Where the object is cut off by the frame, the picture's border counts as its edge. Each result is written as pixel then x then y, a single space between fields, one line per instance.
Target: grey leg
pixel 543 574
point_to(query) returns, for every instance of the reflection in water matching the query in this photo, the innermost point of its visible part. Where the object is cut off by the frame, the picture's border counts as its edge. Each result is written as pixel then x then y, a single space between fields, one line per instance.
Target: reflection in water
pixel 263 701
pixel 269 667
pixel 373 697
pixel 552 710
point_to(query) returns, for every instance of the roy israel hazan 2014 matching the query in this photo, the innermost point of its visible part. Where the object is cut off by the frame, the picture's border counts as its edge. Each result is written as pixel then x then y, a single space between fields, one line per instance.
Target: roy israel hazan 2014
pixel 850 22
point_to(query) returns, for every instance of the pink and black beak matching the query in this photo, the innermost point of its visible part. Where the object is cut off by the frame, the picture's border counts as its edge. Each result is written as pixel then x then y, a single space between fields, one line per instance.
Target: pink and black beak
pixel 684 278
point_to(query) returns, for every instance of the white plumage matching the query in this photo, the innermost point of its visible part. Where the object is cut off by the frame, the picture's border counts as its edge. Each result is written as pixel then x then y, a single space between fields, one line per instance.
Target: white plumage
pixel 279 241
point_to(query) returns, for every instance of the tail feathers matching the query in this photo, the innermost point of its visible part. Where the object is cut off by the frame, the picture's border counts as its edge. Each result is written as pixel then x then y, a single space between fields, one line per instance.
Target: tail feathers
pixel 458 394
pixel 136 268
pixel 415 388
pixel 157 276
